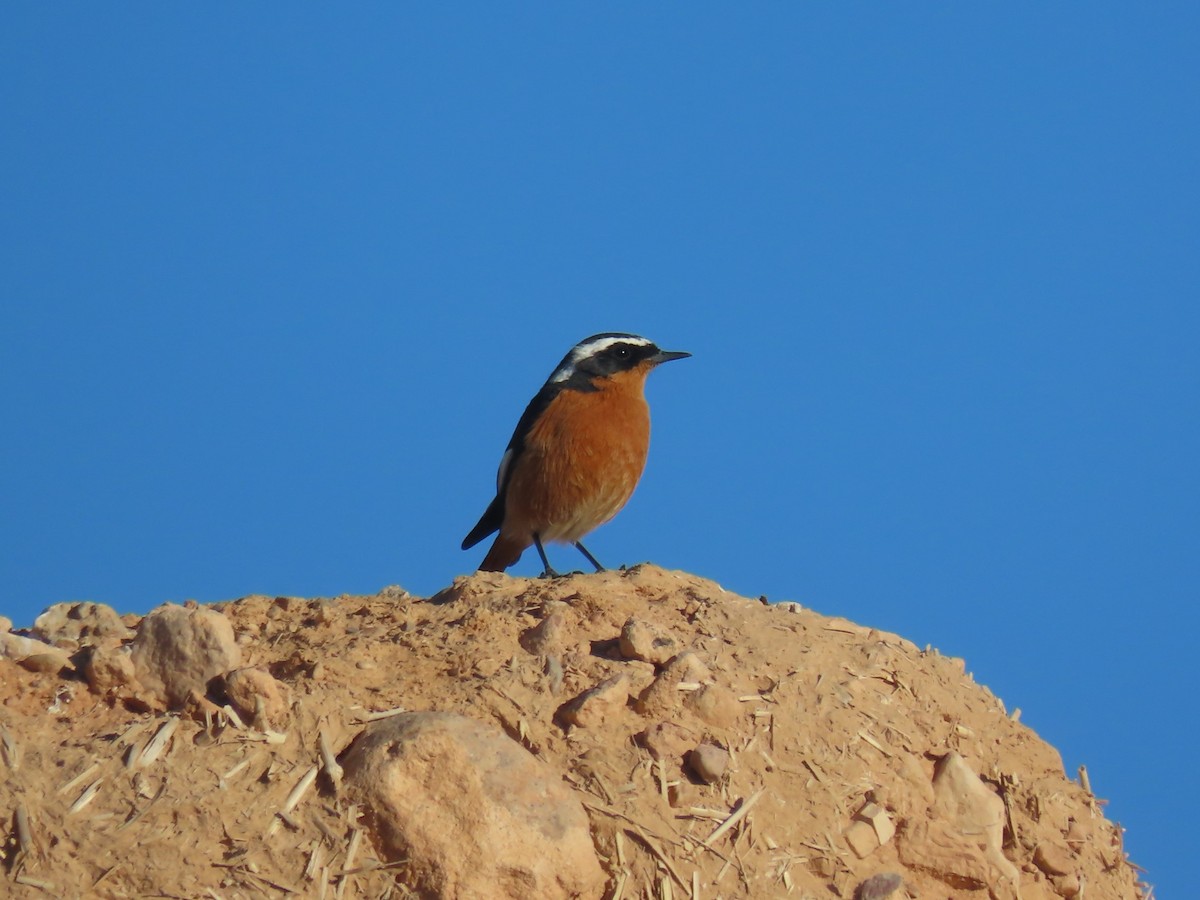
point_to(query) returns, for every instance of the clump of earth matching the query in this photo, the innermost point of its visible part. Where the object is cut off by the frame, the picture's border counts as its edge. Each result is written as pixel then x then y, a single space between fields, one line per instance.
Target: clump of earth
pixel 630 734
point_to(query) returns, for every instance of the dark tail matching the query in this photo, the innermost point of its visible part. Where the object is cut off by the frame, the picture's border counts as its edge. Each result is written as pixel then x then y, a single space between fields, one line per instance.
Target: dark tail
pixel 488 522
pixel 505 551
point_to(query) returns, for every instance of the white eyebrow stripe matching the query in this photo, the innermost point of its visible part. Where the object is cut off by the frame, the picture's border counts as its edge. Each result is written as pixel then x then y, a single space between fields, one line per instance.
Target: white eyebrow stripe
pixel 591 348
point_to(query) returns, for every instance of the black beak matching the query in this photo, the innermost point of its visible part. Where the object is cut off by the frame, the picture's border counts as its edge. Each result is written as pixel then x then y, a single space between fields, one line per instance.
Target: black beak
pixel 663 356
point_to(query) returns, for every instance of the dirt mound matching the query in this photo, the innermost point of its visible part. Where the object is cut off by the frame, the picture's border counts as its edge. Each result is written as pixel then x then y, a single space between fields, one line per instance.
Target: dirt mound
pixel 712 746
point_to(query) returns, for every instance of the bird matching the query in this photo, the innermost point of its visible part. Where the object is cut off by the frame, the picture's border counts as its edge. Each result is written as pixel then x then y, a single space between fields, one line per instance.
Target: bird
pixel 577 452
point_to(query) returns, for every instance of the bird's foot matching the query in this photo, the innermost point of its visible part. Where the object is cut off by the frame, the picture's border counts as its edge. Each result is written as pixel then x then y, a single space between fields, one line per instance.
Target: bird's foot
pixel 584 550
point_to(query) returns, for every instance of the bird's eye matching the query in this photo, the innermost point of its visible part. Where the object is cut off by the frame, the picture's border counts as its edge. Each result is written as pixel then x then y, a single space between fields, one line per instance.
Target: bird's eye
pixel 622 353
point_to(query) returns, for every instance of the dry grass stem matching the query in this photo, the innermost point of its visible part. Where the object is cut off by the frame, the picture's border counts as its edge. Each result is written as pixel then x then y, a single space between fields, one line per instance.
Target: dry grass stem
pixel 737 816
pixel 332 768
pixel 79 779
pixel 382 714
pixel 9 749
pixel 155 746
pixel 88 795
pixel 662 857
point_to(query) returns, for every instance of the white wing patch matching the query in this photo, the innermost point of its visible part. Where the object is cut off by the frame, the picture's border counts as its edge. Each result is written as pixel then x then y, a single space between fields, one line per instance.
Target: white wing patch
pixel 505 462
pixel 591 348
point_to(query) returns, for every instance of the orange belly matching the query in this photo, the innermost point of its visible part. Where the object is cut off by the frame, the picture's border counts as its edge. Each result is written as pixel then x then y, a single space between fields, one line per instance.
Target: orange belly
pixel 581 462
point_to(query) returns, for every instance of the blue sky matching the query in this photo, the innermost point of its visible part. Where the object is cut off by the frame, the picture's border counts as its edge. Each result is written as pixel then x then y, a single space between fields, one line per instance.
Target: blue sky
pixel 279 280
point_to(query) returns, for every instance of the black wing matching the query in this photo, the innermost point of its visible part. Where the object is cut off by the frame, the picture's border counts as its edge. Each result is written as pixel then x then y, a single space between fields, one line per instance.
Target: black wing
pixel 493 516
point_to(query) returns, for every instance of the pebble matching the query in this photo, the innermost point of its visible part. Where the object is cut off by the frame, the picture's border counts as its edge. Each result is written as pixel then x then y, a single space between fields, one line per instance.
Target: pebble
pixel 546 637
pixel 15 646
pixel 440 788
pixel 641 641
pixel 879 887
pixel 249 687
pixel 709 762
pixel 178 649
pixel 50 663
pixel 716 705
pixel 81 624
pixel 1052 860
pixel 595 705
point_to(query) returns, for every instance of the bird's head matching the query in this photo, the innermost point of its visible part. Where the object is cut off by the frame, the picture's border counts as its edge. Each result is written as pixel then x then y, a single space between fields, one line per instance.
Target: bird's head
pixel 605 355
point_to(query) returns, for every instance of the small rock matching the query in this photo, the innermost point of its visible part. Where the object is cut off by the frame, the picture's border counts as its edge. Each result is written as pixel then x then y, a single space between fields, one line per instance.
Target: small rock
pixel 822 866
pixel 861 838
pixel 15 646
pixel 1067 886
pixel 178 650
pixel 667 740
pixel 877 817
pixel 663 697
pixel 879 887
pixel 597 704
pixel 247 688
pixel 51 662
pixel 5 624
pixel 709 762
pixel 1078 834
pixel 1052 859
pixel 715 705
pixel 640 640
pixel 963 837
pixel 547 636
pixel 471 812
pixel 110 669
pixel 554 673
pixel 83 624
pixel 689 667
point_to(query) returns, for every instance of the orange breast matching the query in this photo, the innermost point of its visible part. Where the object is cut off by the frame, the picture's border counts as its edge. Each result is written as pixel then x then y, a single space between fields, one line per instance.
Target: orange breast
pixel 581 461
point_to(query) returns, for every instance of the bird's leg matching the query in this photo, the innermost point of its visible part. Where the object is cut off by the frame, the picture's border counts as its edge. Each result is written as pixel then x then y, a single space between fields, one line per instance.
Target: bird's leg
pixel 548 572
pixel 590 558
